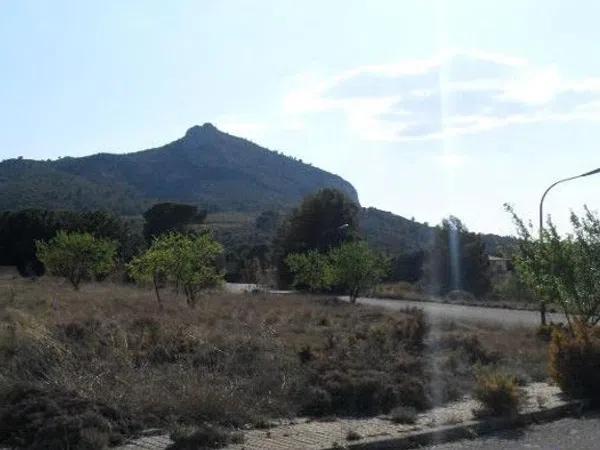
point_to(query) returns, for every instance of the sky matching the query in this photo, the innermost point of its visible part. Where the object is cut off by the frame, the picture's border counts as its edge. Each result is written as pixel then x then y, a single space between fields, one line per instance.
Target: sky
pixel 429 108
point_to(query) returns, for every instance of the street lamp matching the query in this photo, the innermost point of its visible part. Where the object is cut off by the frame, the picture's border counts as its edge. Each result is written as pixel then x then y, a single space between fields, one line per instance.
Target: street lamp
pixel 587 174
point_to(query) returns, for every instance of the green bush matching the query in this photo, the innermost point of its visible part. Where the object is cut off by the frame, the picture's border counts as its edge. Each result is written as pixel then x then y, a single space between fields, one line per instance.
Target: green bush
pixel 498 393
pixel 77 256
pixel 575 361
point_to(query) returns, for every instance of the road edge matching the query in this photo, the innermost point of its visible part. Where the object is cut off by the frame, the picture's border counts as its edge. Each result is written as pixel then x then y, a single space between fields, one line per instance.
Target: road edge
pixel 470 429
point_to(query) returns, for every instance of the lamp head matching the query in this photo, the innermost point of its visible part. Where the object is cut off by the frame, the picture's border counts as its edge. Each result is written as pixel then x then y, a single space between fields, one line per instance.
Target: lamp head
pixel 593 172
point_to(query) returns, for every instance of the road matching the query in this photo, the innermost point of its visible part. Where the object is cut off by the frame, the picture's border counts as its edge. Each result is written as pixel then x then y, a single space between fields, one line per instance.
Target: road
pixel 441 310
pixel 565 434
pixel 458 312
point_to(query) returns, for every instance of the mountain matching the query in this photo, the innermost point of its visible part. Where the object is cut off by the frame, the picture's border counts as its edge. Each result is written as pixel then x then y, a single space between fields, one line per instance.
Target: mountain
pixel 396 235
pixel 208 168
pixel 205 167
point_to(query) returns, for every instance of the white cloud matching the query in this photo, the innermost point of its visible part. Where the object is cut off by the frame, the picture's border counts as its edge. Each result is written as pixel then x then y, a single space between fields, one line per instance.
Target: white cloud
pixel 451 94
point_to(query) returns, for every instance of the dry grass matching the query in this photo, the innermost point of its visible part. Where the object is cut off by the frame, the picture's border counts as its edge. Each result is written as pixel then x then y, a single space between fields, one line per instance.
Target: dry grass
pixel 239 359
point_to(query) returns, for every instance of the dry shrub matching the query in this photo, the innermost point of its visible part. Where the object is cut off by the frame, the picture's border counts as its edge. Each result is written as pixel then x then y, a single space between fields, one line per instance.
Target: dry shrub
pixel 203 436
pixel 575 361
pixel 371 372
pixel 404 415
pixel 498 393
pixel 544 332
pixel 470 345
pixel 53 419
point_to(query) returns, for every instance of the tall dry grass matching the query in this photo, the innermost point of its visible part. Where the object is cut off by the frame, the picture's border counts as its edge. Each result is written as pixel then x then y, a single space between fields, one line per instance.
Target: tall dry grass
pixel 239 359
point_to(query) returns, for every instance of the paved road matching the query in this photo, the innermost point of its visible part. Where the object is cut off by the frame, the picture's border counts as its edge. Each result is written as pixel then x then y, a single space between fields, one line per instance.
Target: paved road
pixel 565 434
pixel 455 312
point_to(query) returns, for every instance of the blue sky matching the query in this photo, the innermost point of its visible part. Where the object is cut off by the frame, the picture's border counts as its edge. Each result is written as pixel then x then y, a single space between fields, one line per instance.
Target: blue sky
pixel 429 108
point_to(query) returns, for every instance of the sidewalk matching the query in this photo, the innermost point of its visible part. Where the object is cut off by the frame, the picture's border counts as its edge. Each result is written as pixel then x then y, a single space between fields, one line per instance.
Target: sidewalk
pixel 316 435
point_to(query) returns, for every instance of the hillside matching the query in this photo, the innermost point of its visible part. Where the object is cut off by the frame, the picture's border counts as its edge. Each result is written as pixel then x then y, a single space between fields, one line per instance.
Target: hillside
pixel 206 167
pixel 224 174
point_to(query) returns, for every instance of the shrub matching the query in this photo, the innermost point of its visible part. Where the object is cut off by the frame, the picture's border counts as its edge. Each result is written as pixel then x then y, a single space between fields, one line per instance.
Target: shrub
pixel 403 414
pixel 498 393
pixel 411 331
pixel 351 392
pixel 545 332
pixel 352 435
pixel 470 345
pixel 204 436
pixel 575 361
pixel 54 419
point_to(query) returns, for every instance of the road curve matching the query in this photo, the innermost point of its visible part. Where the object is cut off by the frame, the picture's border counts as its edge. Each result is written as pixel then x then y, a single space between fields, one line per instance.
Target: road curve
pixel 437 311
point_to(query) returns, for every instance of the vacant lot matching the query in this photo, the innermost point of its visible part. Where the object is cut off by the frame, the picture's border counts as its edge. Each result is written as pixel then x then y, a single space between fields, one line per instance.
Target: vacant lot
pixel 237 359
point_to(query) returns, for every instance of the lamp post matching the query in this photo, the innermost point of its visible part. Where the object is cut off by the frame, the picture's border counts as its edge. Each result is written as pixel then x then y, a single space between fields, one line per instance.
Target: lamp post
pixel 587 174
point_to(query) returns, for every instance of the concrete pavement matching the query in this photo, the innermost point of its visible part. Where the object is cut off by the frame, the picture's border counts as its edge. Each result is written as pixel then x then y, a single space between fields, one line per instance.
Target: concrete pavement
pixel 565 434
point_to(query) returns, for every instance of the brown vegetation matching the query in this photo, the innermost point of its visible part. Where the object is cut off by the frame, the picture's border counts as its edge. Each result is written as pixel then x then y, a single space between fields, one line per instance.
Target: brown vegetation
pixel 575 360
pixel 239 359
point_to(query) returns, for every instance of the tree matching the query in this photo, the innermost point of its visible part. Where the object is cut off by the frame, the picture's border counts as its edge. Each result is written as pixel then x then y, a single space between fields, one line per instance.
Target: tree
pixel 565 270
pixel 322 221
pixel 152 266
pixel 163 218
pixel 407 267
pixel 457 260
pixel 356 268
pixel 187 261
pixel 194 263
pixel 312 270
pixel 77 256
pixel 19 230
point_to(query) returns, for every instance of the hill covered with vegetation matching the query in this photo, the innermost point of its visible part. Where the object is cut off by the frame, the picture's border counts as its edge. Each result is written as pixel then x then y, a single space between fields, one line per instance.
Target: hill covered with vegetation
pixel 206 167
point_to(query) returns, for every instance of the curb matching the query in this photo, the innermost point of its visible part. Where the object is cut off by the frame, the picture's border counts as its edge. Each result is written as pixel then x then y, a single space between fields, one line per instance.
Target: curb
pixel 471 429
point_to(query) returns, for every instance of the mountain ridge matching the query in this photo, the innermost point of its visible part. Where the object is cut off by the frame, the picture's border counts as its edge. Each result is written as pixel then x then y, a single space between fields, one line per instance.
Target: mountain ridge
pixel 206 166
pixel 217 171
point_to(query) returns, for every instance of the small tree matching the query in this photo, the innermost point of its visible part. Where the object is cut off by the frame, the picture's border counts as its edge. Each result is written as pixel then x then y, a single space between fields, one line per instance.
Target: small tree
pixel 312 270
pixel 152 266
pixel 565 270
pixel 77 256
pixel 194 263
pixel 187 261
pixel 356 268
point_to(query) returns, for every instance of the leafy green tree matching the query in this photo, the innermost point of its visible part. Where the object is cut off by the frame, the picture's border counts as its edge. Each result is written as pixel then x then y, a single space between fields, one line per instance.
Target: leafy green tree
pixel 194 265
pixel 457 260
pixel 322 221
pixel 187 261
pixel 77 256
pixel 356 268
pixel 163 218
pixel 312 270
pixel 563 269
pixel 153 266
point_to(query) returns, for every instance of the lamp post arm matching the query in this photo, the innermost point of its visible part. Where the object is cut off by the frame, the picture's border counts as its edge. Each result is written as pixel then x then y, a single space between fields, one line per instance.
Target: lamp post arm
pixel 541 228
